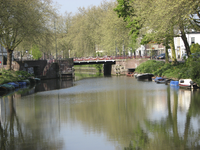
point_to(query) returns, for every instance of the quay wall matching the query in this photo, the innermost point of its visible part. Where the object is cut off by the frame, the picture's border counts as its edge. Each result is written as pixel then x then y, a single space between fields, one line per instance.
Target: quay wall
pixel 45 69
pixel 122 66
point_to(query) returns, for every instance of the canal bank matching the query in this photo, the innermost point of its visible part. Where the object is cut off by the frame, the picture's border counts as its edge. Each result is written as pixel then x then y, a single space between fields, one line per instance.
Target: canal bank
pixel 123 66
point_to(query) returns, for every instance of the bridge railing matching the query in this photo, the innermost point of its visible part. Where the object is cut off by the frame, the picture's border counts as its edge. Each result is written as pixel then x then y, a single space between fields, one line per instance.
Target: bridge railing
pixel 108 58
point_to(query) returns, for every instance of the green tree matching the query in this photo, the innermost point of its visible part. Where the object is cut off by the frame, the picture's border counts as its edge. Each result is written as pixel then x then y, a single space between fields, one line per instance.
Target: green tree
pixel 37 54
pixel 22 20
pixel 126 10
pixel 195 48
pixel 115 35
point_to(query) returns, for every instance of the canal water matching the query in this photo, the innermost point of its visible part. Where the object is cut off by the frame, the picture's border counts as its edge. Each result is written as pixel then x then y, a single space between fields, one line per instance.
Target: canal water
pixel 104 113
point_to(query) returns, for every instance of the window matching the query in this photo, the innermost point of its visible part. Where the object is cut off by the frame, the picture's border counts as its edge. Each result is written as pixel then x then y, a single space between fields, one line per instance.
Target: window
pixel 192 40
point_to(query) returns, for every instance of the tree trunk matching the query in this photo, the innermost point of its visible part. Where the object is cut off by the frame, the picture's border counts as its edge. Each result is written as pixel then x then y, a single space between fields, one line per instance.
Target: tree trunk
pixel 166 51
pixel 9 59
pixel 2 57
pixel 174 60
pixel 184 38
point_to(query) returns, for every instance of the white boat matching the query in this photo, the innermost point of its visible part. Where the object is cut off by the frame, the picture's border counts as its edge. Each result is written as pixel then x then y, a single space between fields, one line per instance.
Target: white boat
pixel 187 83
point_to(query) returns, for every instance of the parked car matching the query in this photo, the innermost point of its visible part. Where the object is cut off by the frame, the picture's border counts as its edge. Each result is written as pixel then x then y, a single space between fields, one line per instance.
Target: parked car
pixel 184 56
pixel 161 56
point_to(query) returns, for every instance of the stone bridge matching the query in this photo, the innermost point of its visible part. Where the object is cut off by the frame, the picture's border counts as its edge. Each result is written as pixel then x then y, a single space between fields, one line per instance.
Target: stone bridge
pixel 47 69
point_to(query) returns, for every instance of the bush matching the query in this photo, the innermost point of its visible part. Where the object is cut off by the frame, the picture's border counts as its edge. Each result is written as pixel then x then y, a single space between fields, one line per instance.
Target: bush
pixel 180 70
pixel 12 76
pixel 149 66
pixel 195 71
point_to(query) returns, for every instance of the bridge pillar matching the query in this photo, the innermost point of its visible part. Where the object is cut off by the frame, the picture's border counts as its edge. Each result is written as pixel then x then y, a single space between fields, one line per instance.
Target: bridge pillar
pixel 107 69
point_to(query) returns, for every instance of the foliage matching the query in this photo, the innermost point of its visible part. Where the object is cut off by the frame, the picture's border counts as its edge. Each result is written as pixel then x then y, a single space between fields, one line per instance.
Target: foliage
pixel 125 10
pixel 178 71
pixel 195 48
pixel 99 67
pixel 149 66
pixel 13 76
pixel 23 74
pixel 193 63
pixel 37 54
pixel 22 20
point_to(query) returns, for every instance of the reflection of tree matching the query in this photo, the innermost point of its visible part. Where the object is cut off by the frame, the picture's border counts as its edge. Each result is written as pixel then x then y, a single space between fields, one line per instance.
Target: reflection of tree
pixel 140 139
pixel 8 131
pixel 17 134
pixel 165 132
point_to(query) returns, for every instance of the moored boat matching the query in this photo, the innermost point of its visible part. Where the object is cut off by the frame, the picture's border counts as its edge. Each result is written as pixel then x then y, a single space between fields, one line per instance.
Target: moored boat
pixel 8 87
pixel 130 74
pixel 145 76
pixel 162 81
pixel 22 83
pixel 174 83
pixel 157 78
pixel 16 85
pixel 187 83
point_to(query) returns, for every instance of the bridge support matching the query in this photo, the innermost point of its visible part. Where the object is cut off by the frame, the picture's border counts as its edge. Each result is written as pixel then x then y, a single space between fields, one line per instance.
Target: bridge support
pixel 107 69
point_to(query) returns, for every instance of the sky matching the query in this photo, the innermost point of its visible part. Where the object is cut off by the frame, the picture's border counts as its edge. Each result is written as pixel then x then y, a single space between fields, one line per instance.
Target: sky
pixel 73 5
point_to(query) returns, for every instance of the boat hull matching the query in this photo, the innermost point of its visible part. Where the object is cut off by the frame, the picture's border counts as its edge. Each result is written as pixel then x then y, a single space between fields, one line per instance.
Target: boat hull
pixel 146 76
pixel 187 83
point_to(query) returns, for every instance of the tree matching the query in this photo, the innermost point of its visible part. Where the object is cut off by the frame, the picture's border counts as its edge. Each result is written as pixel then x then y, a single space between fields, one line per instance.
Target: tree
pixel 20 20
pixel 37 54
pixel 115 34
pixel 195 48
pixel 126 10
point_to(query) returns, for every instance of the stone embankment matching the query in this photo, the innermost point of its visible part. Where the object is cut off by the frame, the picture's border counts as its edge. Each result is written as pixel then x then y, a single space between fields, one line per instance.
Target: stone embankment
pixel 122 66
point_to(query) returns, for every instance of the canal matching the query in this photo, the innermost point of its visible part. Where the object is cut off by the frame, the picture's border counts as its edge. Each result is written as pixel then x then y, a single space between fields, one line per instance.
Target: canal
pixel 100 113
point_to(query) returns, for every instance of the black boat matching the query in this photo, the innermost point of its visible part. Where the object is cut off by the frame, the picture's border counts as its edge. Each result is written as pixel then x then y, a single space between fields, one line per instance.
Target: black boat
pixel 145 76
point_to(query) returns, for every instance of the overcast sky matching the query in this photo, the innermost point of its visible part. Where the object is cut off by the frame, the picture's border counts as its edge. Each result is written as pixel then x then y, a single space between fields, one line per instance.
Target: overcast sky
pixel 73 5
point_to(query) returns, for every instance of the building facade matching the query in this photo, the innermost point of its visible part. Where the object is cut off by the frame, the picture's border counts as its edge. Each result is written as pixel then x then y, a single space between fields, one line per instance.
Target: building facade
pixel 192 38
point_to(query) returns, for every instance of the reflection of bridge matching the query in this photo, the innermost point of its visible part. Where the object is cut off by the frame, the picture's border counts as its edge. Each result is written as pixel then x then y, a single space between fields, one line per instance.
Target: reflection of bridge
pixel 107 63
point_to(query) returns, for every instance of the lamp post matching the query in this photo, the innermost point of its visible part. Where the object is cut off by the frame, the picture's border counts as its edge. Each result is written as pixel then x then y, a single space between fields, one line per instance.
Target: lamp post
pixel 26 54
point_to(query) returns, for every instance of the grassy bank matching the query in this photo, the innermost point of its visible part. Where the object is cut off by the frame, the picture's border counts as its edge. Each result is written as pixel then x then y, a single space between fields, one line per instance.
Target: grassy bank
pixel 188 69
pixel 12 76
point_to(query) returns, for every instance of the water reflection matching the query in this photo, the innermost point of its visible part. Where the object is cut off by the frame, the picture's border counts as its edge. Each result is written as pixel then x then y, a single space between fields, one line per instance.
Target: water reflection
pixel 176 125
pixel 17 134
pixel 53 84
pixel 102 113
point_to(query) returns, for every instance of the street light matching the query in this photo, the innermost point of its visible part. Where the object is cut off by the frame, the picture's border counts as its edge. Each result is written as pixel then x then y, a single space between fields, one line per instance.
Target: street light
pixel 26 54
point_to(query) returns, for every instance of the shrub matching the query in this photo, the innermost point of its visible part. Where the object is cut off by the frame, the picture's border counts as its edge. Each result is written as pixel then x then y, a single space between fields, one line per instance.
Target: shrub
pixel 180 70
pixel 149 66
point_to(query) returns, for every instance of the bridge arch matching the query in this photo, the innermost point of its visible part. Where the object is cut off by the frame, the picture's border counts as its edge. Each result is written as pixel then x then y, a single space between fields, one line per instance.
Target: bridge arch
pixel 107 64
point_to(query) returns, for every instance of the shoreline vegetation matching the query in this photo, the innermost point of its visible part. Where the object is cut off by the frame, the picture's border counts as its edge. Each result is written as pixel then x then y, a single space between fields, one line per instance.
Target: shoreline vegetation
pixel 181 70
pixel 13 76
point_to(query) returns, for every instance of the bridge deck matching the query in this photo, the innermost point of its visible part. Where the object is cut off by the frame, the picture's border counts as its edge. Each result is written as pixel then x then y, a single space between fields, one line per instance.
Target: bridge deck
pixel 94 62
